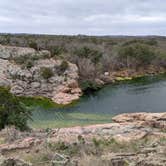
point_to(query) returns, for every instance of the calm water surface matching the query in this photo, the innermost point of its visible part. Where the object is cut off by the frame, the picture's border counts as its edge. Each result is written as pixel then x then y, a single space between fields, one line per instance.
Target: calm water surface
pixel 140 95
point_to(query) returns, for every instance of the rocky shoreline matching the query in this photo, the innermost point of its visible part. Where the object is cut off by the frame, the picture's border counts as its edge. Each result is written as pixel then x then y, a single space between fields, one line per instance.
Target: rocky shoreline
pixel 21 70
pixel 61 86
pixel 137 139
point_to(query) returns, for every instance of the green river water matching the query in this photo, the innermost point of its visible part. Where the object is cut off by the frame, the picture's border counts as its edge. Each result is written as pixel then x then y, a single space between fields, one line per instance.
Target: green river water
pixel 146 94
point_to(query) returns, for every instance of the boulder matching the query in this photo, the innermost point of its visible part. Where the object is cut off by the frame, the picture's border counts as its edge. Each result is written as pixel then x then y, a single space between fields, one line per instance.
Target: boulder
pixel 65 98
pixel 44 54
pixel 17 90
pixel 157 120
pixel 65 94
pixel 106 74
pixel 4 82
pixel 72 71
pixel 76 91
pixel 132 117
pixel 35 85
pixel 7 52
pixel 72 84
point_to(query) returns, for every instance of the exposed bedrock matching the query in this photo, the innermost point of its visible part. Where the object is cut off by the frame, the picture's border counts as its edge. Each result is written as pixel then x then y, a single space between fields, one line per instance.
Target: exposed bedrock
pixel 34 73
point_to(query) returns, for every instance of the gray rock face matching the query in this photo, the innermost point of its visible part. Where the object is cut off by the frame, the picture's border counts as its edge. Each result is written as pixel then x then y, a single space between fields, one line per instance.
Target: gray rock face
pixel 7 52
pixel 29 81
pixel 4 64
pixel 35 85
pixel 4 83
pixel 17 90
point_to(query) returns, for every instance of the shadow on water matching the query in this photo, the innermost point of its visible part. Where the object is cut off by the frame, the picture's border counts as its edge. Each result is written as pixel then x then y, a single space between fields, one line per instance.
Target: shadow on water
pixel 145 94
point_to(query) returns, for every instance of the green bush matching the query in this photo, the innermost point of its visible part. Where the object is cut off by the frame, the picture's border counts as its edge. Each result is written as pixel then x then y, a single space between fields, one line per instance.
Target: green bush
pixel 64 66
pixel 7 39
pixel 57 50
pixel 89 85
pixel 46 73
pixel 20 60
pixel 150 42
pixel 27 61
pixel 12 111
pixel 33 45
pixel 161 59
pixel 86 52
pixel 29 64
pixel 130 42
pixel 81 139
pixel 141 53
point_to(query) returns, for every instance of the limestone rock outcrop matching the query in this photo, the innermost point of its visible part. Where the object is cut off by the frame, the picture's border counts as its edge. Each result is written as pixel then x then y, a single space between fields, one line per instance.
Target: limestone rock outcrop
pixel 131 140
pixel 157 120
pixel 4 64
pixel 7 52
pixel 70 90
pixel 28 81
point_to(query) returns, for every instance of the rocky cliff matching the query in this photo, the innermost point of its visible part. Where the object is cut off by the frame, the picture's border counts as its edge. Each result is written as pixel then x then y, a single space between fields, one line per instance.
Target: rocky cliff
pixel 37 73
pixel 34 73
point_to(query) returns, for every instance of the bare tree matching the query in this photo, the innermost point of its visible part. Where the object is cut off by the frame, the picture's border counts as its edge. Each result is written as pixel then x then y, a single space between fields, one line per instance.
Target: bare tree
pixel 86 68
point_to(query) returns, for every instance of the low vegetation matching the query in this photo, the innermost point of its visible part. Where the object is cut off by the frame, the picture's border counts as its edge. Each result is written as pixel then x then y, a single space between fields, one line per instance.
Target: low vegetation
pixel 101 151
pixel 46 73
pixel 33 45
pixel 89 53
pixel 63 67
pixel 56 50
pixel 12 111
pixel 28 61
pixel 89 85
pixel 94 55
pixel 136 55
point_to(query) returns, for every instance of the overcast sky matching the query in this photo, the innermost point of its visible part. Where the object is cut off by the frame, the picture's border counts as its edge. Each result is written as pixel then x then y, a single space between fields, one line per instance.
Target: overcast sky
pixel 90 17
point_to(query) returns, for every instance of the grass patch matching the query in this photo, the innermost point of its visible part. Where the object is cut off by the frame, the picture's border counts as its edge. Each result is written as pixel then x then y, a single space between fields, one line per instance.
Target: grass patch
pixel 2 141
pixel 71 120
pixel 43 102
pixel 38 102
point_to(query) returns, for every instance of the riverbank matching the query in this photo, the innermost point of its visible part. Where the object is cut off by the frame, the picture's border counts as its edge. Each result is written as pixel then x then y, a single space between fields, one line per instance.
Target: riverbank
pixel 100 106
pixel 137 139
pixel 131 74
pixel 118 78
pixel 30 72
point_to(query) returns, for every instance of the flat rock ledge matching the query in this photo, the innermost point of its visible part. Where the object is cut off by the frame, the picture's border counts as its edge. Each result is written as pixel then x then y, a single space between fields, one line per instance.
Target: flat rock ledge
pixel 125 129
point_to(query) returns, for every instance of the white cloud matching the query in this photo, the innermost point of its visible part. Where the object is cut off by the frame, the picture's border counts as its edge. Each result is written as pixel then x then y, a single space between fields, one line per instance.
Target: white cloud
pixel 93 17
pixel 4 19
